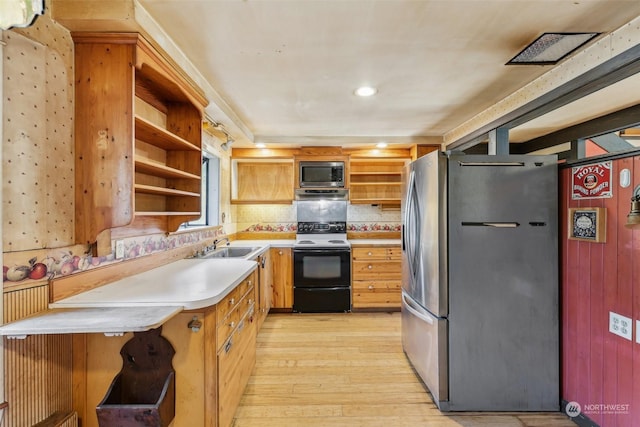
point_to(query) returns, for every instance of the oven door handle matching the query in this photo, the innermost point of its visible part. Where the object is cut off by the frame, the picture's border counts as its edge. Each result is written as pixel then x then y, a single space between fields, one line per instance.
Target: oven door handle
pixel 322 251
pixel 321 288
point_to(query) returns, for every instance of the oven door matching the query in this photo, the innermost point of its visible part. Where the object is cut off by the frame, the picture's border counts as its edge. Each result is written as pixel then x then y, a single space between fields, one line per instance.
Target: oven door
pixel 322 268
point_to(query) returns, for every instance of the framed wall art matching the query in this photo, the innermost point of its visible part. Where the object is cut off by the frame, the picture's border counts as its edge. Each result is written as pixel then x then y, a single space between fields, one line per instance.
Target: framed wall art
pixel 588 224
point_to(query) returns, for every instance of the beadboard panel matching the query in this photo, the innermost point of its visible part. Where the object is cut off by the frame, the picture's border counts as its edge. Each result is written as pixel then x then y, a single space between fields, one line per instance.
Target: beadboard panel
pixel 38 368
pixel 598 367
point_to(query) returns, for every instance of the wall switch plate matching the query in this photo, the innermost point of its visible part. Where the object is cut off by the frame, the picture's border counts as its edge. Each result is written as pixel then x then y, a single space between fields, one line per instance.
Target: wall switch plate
pixel 119 249
pixel 638 331
pixel 621 325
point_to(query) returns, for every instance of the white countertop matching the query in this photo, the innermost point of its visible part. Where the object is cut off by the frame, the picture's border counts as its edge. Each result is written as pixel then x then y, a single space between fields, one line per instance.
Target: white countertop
pixel 188 283
pixel 106 320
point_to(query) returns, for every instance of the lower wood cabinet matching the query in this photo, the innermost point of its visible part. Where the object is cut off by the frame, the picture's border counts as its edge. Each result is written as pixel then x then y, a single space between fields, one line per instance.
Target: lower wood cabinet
pixel 282 270
pixel 376 277
pixel 212 365
pixel 265 287
pixel 237 351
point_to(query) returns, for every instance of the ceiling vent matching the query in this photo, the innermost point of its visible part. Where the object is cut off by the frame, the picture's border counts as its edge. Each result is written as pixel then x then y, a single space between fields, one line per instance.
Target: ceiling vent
pixel 550 48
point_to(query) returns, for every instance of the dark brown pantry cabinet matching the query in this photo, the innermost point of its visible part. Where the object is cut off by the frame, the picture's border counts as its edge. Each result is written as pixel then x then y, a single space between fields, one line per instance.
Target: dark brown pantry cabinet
pixel 138 137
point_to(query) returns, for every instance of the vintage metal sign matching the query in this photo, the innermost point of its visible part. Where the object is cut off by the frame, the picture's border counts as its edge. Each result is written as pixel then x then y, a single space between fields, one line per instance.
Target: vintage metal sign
pixel 591 181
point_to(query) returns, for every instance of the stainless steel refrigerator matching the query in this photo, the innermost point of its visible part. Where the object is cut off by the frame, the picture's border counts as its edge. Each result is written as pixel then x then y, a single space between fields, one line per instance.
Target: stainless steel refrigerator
pixel 480 280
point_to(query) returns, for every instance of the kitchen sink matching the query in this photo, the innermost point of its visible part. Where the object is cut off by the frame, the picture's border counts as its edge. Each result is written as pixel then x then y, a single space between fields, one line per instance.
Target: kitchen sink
pixel 230 252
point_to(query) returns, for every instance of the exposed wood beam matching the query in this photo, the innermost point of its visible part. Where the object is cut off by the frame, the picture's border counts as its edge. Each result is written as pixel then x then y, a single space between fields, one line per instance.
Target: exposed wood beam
pixel 628 117
pixel 614 70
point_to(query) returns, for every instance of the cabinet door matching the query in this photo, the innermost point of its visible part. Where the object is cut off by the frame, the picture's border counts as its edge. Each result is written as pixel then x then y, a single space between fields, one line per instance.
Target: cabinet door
pixel 262 182
pixel 282 265
pixel 265 289
pixel 236 360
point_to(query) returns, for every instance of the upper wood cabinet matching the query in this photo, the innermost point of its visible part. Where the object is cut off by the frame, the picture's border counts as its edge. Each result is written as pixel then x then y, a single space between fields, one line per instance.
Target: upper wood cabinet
pixel 262 181
pixel 138 136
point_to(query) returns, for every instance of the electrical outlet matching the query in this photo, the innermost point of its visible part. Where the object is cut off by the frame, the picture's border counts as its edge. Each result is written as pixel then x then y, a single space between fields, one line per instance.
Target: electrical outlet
pixel 638 331
pixel 621 325
pixel 119 249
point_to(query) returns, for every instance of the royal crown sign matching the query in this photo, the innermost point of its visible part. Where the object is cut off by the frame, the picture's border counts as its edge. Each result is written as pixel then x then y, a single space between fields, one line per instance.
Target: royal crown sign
pixel 591 181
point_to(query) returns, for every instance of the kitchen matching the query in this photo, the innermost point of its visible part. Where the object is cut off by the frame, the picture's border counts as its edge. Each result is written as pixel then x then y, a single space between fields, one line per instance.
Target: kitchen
pixel 27 232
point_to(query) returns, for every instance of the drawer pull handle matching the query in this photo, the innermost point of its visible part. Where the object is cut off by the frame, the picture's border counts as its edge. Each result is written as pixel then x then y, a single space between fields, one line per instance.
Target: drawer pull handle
pixel 228 345
pixel 249 283
pixel 249 301
pixel 371 287
pixel 232 301
pixel 370 266
pixel 279 252
pixel 370 254
pixel 232 324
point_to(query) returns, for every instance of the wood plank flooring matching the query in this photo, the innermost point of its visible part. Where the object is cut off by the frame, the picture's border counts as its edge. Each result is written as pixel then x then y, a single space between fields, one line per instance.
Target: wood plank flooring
pixel 349 370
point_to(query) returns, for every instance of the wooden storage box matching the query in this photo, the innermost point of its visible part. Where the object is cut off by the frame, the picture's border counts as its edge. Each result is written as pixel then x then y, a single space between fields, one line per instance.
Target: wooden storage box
pixel 144 392
pixel 156 406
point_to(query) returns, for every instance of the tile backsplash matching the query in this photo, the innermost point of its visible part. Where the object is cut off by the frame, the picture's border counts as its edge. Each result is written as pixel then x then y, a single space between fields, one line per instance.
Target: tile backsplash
pixel 275 217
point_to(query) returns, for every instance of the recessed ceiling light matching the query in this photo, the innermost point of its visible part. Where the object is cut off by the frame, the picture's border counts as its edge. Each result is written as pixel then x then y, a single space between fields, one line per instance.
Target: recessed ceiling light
pixel 261 145
pixel 366 91
pixel 381 145
pixel 550 48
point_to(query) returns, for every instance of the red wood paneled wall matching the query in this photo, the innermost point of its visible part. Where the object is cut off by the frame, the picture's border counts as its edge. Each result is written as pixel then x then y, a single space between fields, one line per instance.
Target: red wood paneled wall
pixel 598 367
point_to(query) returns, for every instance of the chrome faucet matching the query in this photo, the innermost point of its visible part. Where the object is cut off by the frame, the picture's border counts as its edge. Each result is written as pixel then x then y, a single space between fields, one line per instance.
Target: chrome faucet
pixel 217 242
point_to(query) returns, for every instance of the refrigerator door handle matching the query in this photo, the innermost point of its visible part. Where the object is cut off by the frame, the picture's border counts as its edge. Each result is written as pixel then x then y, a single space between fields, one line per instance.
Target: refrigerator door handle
pixel 408 220
pixel 491 163
pixel 410 307
pixel 491 224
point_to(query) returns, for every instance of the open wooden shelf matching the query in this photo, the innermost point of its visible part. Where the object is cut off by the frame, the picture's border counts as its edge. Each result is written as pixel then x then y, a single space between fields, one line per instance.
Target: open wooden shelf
pixel 162 191
pixel 376 181
pixel 159 137
pixel 148 166
pixel 159 169
pixel 166 213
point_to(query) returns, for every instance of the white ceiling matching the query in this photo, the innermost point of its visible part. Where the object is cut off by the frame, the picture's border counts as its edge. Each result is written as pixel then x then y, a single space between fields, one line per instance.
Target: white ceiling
pixel 287 68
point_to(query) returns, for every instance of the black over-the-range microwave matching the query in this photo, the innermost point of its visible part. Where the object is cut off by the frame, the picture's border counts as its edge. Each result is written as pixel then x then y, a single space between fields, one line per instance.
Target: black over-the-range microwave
pixel 321 174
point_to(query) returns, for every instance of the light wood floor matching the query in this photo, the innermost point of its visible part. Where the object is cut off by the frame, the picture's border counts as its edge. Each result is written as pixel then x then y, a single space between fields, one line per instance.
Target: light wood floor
pixel 349 370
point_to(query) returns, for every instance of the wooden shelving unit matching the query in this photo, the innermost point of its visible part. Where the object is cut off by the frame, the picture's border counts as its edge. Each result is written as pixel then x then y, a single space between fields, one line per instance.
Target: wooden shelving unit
pixel 376 181
pixel 138 136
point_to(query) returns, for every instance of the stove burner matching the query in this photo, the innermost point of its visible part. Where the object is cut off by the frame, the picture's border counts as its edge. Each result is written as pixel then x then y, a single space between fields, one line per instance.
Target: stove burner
pixel 307 242
pixel 336 241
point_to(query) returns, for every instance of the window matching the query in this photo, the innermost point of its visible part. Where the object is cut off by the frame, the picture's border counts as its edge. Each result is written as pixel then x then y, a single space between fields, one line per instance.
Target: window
pixel 210 200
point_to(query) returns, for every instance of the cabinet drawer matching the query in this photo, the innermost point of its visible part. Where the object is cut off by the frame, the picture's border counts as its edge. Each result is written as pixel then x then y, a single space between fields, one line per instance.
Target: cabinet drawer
pixel 246 285
pixel 377 286
pixel 227 304
pixel 377 270
pixel 369 253
pixel 376 300
pixel 388 253
pixel 226 326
